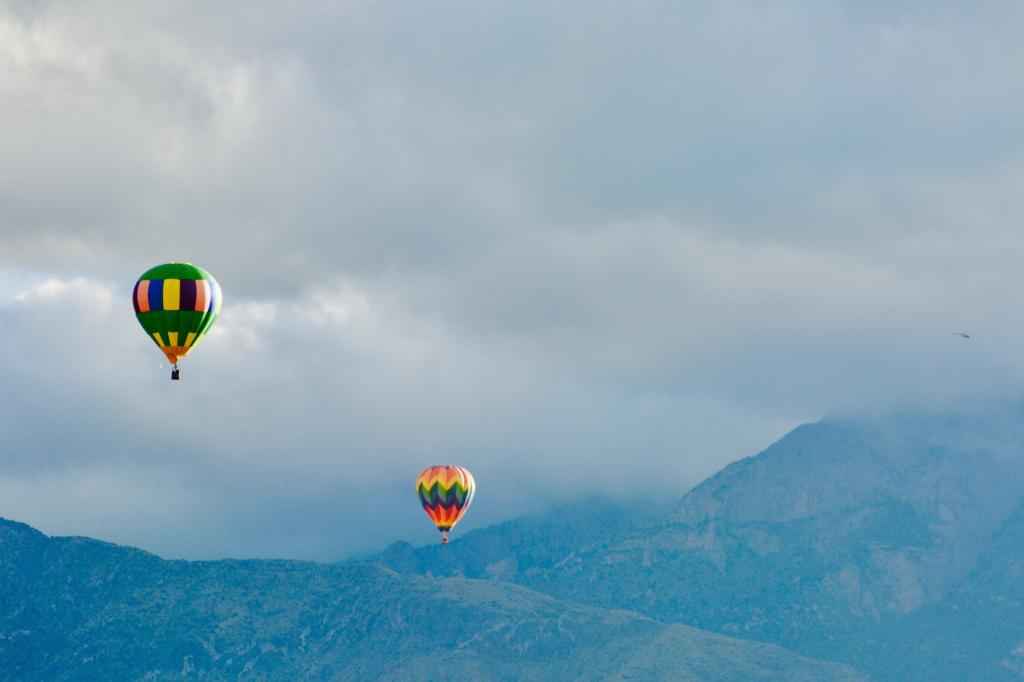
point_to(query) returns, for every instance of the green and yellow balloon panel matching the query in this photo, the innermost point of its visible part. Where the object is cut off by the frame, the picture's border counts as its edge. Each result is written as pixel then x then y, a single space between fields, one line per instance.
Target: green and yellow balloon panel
pixel 176 303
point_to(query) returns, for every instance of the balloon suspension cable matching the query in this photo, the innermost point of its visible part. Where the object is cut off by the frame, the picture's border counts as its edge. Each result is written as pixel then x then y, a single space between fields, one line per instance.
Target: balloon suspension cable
pixel 175 374
pixel 444 538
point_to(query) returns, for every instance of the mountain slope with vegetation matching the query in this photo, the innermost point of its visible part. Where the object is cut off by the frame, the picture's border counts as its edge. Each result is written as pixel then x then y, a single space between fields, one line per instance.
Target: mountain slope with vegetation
pixel 887 544
pixel 74 608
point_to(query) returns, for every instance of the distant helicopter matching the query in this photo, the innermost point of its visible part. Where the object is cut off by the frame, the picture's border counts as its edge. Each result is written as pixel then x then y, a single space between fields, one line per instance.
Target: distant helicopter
pixel 963 335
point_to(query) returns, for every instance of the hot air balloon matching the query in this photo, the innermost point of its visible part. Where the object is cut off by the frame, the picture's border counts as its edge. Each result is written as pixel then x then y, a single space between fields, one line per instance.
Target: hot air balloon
pixel 176 303
pixel 445 492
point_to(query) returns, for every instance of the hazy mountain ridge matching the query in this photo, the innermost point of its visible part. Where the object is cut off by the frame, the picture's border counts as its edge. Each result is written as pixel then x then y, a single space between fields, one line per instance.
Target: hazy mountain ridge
pixel 838 541
pixel 896 546
pixel 74 608
pixel 524 547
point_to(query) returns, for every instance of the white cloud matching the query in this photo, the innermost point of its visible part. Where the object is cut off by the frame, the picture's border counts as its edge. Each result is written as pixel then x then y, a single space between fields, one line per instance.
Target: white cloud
pixel 77 291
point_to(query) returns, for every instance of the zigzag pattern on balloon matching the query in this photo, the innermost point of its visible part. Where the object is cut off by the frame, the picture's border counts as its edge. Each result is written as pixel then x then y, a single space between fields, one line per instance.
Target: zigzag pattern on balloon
pixel 445 493
pixel 438 494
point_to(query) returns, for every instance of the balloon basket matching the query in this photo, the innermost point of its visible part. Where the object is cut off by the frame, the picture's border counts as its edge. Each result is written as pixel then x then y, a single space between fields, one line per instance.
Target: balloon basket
pixel 175 374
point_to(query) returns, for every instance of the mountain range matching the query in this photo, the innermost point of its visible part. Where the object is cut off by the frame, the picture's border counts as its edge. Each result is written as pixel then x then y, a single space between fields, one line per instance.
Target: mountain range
pixel 889 548
pixel 891 544
pixel 77 609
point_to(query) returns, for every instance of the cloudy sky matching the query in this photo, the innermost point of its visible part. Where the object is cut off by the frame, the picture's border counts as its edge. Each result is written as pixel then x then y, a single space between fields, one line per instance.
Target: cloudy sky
pixel 577 247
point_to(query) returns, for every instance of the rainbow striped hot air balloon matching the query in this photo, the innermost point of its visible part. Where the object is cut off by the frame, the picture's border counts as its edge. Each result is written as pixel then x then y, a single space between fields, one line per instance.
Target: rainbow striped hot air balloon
pixel 445 492
pixel 176 303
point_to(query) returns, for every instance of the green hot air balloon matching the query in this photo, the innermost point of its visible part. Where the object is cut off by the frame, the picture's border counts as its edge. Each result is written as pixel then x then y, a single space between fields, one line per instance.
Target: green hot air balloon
pixel 176 303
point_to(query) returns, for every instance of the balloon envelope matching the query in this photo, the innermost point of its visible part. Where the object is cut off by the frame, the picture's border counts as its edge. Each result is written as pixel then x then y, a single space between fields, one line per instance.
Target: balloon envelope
pixel 176 303
pixel 445 492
